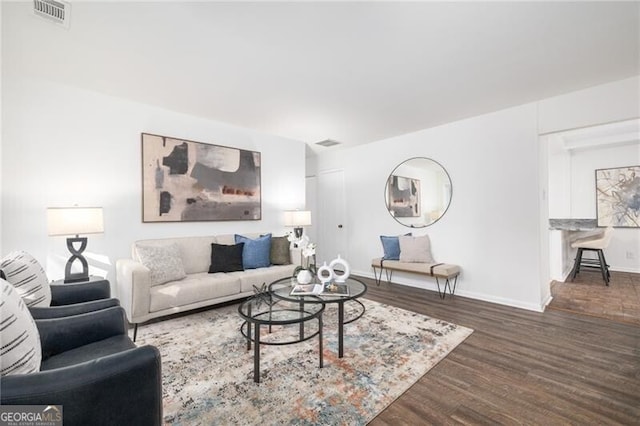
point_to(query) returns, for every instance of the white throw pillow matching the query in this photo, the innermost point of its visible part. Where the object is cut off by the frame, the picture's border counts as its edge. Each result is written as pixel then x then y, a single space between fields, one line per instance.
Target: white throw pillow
pixel 415 249
pixel 164 262
pixel 28 277
pixel 20 352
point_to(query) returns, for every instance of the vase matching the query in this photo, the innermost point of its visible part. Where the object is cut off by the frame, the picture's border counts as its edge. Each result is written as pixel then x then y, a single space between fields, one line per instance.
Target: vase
pixel 304 276
pixel 346 270
pixel 325 273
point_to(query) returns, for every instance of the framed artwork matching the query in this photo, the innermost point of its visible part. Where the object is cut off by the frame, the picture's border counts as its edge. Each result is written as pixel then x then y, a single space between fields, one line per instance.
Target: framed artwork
pixel 618 197
pixel 184 181
pixel 403 196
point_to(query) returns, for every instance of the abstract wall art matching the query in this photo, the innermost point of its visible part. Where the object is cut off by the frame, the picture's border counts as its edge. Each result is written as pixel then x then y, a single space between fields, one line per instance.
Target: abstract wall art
pixel 185 181
pixel 618 197
pixel 403 196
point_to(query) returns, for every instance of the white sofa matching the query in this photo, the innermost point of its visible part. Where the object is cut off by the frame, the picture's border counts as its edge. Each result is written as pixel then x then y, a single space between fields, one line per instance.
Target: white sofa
pixel 143 301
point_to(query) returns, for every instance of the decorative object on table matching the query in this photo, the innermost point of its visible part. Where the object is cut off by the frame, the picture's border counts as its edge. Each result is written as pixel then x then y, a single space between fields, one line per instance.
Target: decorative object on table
pixel 325 274
pixel 75 221
pixel 261 295
pixel 306 290
pixel 307 270
pixel 618 197
pixel 297 219
pixel 335 289
pixel 186 181
pixel 340 274
pixel 379 352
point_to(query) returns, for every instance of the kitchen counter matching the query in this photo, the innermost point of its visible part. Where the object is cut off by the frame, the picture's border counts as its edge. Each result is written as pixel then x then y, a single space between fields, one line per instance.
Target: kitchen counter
pixel 573 224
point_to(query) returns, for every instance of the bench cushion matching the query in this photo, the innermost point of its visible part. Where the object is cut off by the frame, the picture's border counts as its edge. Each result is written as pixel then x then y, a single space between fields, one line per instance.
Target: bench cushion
pixel 440 270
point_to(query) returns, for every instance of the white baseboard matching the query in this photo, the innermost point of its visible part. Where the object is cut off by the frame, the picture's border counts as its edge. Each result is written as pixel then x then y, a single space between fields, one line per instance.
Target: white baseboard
pixel 427 285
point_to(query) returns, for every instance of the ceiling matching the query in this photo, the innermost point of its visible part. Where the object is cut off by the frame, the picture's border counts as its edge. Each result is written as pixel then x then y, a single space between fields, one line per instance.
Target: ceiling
pixel 353 72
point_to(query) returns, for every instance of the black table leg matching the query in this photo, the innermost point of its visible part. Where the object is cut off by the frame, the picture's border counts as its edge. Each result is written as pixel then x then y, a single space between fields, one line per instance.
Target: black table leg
pixel 248 330
pixel 320 341
pixel 301 316
pixel 340 328
pixel 256 355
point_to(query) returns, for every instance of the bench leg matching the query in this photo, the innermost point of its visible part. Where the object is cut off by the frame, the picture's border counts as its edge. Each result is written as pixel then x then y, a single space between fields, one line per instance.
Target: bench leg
pixel 441 294
pixel 378 278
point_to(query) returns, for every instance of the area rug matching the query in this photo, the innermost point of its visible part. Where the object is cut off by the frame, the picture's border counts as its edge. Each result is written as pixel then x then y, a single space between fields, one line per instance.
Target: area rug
pixel 208 372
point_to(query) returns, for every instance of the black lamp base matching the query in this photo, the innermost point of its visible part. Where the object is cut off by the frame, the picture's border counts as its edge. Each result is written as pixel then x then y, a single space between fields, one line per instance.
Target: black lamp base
pixel 76 254
pixel 298 232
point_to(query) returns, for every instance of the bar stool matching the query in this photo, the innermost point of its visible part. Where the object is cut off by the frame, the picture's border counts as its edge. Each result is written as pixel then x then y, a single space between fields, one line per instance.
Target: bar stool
pixel 596 244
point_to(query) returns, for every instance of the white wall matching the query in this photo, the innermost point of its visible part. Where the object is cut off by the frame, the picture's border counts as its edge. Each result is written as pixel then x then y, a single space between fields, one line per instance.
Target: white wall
pixel 497 225
pixel 64 146
pixel 493 218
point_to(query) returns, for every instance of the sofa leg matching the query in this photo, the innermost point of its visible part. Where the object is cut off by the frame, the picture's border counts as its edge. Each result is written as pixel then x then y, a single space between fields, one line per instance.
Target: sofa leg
pixel 135 331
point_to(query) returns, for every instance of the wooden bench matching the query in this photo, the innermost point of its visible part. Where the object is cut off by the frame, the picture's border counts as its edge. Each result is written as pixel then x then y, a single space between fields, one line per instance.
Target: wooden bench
pixel 437 270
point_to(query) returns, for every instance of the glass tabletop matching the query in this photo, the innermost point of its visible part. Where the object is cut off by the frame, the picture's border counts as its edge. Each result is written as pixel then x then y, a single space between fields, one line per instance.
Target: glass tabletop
pixel 269 310
pixel 281 289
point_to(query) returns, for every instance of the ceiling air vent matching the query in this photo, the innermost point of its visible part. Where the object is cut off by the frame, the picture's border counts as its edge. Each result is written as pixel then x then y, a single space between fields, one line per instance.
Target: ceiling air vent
pixel 328 142
pixel 56 11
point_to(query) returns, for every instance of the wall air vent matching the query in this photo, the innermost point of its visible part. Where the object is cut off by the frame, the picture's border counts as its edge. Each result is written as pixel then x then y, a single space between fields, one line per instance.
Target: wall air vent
pixel 328 142
pixel 56 11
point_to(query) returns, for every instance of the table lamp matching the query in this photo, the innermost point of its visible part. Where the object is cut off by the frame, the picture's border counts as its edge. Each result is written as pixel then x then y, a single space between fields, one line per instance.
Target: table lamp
pixel 75 221
pixel 297 219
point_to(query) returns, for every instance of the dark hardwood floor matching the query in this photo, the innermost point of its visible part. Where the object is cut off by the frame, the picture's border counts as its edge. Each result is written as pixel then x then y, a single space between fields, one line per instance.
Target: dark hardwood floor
pixel 588 295
pixel 520 367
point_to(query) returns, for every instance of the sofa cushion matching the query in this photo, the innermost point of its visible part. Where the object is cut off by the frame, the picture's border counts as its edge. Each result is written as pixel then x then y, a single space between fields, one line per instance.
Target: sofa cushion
pixel 415 249
pixel 256 252
pixel 280 253
pixel 21 352
pixel 164 262
pixel 28 277
pixel 226 258
pixel 196 288
pixel 257 277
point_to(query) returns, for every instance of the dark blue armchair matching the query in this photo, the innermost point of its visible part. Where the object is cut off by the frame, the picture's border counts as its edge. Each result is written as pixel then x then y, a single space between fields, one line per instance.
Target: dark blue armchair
pixel 76 298
pixel 91 368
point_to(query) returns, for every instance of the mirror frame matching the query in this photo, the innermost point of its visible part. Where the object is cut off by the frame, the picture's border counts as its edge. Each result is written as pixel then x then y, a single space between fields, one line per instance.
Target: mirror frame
pixel 386 192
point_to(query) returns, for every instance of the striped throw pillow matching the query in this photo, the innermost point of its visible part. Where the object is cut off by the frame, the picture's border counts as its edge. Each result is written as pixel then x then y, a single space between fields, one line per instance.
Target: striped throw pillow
pixel 28 277
pixel 20 350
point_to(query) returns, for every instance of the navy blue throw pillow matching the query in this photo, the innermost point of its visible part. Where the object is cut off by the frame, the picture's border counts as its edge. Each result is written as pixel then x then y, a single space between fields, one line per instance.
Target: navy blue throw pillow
pixel 226 258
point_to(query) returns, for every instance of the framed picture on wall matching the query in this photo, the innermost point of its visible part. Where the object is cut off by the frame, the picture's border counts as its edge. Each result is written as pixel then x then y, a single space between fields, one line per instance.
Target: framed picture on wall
pixel 618 197
pixel 403 196
pixel 185 181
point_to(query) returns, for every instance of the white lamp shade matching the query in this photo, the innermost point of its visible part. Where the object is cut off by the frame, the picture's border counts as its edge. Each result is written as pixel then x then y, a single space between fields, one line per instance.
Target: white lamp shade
pixel 297 218
pixel 74 220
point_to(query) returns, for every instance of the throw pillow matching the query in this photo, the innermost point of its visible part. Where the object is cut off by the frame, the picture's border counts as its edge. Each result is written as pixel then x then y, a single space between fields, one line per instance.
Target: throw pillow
pixel 28 277
pixel 21 350
pixel 391 247
pixel 226 258
pixel 415 249
pixel 164 262
pixel 280 254
pixel 256 253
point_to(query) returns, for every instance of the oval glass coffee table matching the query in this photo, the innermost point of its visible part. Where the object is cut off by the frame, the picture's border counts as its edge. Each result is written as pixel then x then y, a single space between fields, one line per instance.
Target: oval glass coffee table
pixel 261 310
pixel 281 289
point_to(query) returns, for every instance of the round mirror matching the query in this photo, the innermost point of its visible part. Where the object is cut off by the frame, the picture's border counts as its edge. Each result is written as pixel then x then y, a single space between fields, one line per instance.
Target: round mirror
pixel 418 192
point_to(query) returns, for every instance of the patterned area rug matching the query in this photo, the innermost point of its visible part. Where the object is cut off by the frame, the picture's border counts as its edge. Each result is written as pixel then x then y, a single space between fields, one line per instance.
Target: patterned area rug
pixel 208 372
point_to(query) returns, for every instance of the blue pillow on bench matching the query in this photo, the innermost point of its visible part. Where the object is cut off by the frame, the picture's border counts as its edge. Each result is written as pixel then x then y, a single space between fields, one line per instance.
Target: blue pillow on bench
pixel 256 252
pixel 391 247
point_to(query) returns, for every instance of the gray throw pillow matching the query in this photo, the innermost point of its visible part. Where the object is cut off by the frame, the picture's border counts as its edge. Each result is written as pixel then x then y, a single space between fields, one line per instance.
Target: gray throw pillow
pixel 415 249
pixel 164 262
pixel 280 251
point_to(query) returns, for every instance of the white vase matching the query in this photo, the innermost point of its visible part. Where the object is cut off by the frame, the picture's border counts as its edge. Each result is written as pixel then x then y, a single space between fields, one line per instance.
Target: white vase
pixel 340 278
pixel 325 273
pixel 304 276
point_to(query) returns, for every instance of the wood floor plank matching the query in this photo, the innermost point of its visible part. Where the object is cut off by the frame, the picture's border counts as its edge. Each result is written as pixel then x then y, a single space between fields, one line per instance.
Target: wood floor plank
pixel 520 367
